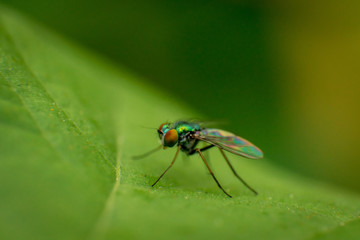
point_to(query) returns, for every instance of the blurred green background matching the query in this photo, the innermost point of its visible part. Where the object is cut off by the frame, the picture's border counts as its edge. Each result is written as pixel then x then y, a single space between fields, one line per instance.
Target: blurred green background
pixel 284 75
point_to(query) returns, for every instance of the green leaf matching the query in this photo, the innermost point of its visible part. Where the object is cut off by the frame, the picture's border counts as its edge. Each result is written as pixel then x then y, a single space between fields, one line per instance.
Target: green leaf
pixel 70 122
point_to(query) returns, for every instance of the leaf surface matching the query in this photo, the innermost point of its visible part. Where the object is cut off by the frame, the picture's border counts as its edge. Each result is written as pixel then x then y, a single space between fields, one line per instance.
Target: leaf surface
pixel 70 122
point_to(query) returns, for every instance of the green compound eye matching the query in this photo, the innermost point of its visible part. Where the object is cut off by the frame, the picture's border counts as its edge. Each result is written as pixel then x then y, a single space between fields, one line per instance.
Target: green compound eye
pixel 171 137
pixel 162 126
pixel 161 129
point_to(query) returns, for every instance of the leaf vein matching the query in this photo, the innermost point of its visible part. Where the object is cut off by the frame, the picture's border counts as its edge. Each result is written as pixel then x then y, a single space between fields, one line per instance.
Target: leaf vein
pixel 101 225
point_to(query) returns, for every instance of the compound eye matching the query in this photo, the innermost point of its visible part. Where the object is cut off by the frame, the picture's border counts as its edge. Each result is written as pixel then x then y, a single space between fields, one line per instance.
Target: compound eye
pixel 162 126
pixel 171 137
pixel 161 130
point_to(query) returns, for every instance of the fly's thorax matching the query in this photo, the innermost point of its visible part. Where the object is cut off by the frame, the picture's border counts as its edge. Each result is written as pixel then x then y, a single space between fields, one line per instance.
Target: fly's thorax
pixel 188 145
pixel 184 128
pixel 188 141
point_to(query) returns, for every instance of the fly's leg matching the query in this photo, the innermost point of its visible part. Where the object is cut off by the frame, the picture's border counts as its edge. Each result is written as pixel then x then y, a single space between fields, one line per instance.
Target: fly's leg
pixel 207 156
pixel 235 173
pixel 206 153
pixel 177 152
pixel 201 149
pixel 147 153
pixel 211 172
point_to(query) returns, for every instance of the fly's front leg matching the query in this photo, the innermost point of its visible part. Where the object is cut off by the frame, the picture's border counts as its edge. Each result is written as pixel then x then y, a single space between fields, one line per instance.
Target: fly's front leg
pixel 177 152
pixel 147 153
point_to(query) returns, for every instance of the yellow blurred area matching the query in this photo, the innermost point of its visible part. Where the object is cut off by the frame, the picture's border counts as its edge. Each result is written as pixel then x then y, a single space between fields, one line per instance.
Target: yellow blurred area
pixel 320 44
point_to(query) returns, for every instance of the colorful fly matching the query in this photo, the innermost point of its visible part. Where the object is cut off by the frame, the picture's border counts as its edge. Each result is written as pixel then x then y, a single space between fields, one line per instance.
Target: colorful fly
pixel 187 135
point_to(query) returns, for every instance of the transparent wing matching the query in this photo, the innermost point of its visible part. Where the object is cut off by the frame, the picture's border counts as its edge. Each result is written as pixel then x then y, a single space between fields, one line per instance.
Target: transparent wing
pixel 230 142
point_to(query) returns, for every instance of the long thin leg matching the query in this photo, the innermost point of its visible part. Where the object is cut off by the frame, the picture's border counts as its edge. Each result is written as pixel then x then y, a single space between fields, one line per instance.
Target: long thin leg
pixel 235 173
pixel 201 149
pixel 177 152
pixel 147 153
pixel 211 172
pixel 206 154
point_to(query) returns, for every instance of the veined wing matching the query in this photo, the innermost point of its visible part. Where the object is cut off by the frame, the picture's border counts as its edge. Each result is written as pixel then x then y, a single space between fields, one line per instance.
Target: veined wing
pixel 230 142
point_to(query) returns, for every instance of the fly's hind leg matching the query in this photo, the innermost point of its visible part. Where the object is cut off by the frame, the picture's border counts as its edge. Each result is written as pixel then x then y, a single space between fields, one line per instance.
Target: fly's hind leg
pixel 235 173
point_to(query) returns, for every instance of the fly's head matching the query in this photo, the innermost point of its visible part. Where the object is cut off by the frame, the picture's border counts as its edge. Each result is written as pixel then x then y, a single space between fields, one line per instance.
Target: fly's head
pixel 168 135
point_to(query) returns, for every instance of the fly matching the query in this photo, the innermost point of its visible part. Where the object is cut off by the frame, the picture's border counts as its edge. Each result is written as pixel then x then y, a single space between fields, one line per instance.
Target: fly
pixel 187 135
